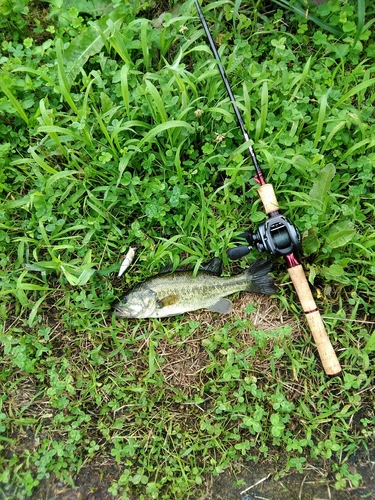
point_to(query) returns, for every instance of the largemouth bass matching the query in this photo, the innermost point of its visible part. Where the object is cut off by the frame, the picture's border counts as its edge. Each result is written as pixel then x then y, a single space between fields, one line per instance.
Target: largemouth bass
pixel 179 292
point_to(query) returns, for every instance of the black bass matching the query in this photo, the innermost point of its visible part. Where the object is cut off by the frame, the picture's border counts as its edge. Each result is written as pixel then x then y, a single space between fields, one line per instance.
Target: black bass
pixel 179 292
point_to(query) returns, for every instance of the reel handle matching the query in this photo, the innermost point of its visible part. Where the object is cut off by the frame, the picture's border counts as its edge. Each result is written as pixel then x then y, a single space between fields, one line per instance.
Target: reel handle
pixel 238 252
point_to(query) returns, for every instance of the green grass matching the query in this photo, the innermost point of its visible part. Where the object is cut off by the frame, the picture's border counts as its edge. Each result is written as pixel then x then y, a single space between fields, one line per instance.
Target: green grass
pixel 115 133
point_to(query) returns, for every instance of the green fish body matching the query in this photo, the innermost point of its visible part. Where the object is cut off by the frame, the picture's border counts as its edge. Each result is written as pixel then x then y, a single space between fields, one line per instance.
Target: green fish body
pixel 179 292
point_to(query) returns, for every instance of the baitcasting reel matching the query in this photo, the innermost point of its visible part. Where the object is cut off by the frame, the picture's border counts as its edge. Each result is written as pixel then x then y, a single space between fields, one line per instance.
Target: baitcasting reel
pixel 277 236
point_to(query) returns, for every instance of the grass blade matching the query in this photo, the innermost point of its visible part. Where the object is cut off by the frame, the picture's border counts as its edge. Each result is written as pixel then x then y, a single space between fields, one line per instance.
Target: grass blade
pixel 68 135
pixel 370 346
pixel 355 90
pixel 47 120
pixel 42 163
pixel 321 117
pixel 162 127
pixel 247 106
pixel 145 43
pixel 158 102
pixel 262 122
pixel 296 8
pixel 331 135
pixel 300 79
pixel 361 13
pixel 369 142
pixel 35 308
pixel 64 84
pixel 69 174
pixel 236 8
pixel 125 87
pixel 104 129
pixel 17 106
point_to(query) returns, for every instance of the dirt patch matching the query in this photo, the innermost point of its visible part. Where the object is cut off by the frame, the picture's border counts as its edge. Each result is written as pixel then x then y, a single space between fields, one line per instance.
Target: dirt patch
pixel 92 483
pixel 184 365
pixel 248 482
pixel 184 360
pixel 260 481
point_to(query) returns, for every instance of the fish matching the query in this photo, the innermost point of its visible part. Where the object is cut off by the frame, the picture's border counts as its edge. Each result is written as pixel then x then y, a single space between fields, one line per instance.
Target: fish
pixel 170 294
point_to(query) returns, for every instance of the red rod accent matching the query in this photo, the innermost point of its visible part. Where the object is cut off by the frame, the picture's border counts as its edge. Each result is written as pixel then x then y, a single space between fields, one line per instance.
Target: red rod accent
pixel 309 312
pixel 291 261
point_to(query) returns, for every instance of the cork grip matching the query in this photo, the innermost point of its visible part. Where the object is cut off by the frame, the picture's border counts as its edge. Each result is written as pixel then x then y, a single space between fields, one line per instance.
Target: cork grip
pixel 327 355
pixel 268 197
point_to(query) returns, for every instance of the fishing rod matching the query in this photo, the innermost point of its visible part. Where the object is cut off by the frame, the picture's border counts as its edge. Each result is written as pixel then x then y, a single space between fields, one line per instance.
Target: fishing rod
pixel 278 235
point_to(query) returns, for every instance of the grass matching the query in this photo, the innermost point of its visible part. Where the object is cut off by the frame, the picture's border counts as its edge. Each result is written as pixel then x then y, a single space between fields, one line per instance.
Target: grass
pixel 116 133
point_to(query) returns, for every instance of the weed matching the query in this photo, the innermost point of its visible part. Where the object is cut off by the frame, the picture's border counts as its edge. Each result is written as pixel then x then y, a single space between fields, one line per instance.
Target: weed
pixel 115 132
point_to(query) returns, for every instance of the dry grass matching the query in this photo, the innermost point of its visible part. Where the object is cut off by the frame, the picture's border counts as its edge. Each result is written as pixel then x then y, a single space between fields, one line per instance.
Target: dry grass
pixel 185 360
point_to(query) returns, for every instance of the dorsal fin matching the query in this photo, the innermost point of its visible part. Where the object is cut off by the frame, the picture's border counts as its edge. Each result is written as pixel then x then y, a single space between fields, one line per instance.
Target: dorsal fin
pixel 166 270
pixel 214 266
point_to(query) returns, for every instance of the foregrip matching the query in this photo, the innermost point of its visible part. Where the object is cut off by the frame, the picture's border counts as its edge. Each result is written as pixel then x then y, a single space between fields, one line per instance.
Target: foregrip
pixel 327 355
pixel 268 197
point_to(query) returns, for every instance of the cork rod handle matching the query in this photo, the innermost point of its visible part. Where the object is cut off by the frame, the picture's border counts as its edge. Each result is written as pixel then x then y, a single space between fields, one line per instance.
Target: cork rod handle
pixel 268 197
pixel 327 355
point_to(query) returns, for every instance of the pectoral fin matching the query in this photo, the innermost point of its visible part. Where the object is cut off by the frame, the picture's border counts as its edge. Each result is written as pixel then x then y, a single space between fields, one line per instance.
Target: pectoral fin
pixel 168 301
pixel 223 306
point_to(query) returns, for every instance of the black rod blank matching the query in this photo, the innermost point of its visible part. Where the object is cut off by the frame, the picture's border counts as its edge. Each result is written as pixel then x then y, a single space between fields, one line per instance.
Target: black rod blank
pixel 259 173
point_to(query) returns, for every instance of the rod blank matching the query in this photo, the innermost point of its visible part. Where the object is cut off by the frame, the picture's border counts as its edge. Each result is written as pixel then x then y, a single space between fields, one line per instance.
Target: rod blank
pixel 241 124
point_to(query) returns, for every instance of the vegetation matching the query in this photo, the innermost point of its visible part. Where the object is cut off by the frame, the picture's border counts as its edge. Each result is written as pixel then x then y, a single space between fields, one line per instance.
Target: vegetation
pixel 116 131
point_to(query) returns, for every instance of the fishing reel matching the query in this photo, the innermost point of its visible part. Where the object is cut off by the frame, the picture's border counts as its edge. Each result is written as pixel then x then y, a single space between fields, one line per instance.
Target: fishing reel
pixel 277 236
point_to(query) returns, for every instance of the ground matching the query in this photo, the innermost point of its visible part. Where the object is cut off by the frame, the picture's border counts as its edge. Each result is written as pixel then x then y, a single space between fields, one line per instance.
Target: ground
pixel 264 480
pixel 255 482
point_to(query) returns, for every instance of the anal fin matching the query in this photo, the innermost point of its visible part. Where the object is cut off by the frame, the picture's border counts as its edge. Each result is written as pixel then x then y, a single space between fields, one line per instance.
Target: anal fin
pixel 223 306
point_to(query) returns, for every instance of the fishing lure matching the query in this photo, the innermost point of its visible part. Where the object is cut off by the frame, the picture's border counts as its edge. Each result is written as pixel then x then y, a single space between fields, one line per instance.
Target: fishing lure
pixel 129 257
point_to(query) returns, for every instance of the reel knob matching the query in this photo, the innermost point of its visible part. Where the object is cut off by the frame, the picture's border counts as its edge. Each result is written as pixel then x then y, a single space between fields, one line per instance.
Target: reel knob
pixel 238 252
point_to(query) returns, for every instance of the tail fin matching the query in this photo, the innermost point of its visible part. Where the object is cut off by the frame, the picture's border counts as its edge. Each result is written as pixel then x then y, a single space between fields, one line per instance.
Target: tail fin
pixel 259 279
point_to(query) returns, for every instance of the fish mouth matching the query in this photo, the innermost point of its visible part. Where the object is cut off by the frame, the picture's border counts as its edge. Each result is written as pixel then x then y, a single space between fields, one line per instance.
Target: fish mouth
pixel 120 312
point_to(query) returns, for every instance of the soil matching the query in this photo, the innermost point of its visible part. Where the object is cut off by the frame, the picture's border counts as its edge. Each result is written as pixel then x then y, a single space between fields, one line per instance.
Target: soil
pixel 313 484
pixel 264 480
pixel 255 482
